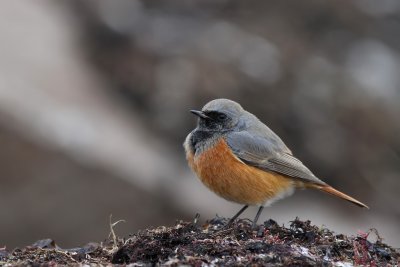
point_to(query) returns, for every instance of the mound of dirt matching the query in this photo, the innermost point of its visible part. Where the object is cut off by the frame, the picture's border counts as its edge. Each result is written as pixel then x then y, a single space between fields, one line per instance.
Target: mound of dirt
pixel 188 243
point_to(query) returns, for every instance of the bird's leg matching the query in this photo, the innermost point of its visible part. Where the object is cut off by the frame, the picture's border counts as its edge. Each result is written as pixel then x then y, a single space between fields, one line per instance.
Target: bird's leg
pixel 257 216
pixel 237 214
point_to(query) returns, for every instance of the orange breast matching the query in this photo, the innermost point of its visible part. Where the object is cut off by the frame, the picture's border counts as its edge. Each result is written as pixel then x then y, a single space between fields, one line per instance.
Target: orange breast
pixel 225 174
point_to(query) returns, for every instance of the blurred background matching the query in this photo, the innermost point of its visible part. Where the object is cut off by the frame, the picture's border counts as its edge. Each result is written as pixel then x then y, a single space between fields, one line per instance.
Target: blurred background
pixel 94 100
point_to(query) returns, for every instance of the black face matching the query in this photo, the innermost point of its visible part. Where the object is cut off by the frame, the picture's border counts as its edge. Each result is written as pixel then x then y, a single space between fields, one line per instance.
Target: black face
pixel 214 120
pixel 210 123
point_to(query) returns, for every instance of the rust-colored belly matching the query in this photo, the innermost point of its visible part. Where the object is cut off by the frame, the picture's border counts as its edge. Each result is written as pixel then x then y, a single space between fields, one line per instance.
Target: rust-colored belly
pixel 225 174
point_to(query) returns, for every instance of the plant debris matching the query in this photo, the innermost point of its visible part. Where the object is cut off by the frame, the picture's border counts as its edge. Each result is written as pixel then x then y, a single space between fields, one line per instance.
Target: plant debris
pixel 214 243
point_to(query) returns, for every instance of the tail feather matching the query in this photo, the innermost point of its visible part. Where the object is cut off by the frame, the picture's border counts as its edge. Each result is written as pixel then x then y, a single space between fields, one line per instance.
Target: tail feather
pixel 333 191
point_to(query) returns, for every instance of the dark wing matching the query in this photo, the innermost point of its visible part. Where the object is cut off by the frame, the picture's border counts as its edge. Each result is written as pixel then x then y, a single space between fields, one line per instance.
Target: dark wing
pixel 270 154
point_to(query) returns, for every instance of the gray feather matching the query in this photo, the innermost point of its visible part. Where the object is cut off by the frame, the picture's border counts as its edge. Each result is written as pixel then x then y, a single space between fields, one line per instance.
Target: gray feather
pixel 268 152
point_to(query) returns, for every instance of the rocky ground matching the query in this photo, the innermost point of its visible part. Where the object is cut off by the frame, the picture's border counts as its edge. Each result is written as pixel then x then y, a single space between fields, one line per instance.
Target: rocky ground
pixel 189 243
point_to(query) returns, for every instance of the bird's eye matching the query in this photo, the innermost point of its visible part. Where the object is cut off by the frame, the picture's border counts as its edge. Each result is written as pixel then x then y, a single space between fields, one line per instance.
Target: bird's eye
pixel 221 116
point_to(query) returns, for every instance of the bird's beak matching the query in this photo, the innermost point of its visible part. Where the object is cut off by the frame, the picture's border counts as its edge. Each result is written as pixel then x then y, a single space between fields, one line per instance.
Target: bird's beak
pixel 200 114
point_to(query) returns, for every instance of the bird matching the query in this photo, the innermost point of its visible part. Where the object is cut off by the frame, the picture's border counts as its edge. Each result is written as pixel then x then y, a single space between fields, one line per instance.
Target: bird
pixel 243 161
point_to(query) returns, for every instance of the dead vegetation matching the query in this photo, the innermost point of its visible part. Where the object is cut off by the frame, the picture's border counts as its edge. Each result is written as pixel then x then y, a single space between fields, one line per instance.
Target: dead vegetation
pixel 300 244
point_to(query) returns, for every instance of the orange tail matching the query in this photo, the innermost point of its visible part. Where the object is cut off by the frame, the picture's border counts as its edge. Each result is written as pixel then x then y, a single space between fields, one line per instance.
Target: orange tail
pixel 333 191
